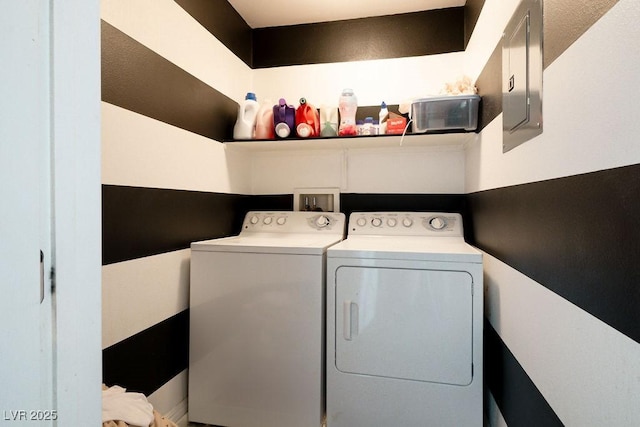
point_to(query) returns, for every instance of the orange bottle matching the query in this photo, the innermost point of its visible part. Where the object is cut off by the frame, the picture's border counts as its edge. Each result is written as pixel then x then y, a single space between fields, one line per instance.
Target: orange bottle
pixel 307 120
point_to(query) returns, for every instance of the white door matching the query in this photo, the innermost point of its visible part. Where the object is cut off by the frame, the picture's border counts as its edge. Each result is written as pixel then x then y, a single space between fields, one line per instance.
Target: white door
pixel 26 395
pixel 405 323
pixel 50 202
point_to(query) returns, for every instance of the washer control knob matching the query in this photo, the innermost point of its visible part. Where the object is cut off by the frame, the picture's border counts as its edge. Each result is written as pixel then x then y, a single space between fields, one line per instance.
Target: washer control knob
pixel 437 223
pixel 361 222
pixel 281 220
pixel 392 222
pixel 376 222
pixel 253 220
pixel 407 222
pixel 268 220
pixel 322 221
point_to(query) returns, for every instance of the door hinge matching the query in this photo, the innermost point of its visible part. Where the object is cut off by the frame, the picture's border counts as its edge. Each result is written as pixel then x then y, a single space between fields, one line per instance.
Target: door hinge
pixel 52 277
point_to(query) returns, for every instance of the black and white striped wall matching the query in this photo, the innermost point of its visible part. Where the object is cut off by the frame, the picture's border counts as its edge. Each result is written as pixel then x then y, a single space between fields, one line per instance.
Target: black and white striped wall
pixel 557 217
pixel 168 90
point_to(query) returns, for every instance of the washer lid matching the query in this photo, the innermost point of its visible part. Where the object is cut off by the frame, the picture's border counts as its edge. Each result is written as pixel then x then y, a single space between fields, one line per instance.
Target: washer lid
pixel 452 249
pixel 276 243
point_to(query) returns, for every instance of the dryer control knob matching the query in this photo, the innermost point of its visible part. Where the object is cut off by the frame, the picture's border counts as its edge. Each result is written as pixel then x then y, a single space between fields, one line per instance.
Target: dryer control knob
pixel 392 222
pixel 322 221
pixel 253 220
pixel 268 220
pixel 361 222
pixel 437 223
pixel 376 222
pixel 281 220
pixel 407 222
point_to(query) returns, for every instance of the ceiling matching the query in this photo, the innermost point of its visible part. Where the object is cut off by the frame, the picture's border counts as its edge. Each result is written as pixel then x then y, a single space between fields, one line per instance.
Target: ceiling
pixel 292 12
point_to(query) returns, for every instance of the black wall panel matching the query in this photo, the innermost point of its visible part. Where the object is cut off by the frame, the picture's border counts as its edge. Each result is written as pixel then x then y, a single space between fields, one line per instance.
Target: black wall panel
pixel 138 222
pixel 472 9
pixel 136 78
pixel 222 20
pixel 520 401
pixel 149 359
pixel 579 236
pixel 489 84
pixel 393 36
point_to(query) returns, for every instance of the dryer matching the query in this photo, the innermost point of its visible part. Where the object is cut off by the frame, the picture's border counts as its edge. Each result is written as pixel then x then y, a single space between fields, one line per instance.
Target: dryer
pixel 257 304
pixel 404 323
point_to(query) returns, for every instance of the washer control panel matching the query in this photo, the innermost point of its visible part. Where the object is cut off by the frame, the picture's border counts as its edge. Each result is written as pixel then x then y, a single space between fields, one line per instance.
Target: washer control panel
pixel 293 222
pixel 405 224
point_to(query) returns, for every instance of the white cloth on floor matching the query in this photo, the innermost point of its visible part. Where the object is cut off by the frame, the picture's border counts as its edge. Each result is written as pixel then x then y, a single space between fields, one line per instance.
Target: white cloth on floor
pixel 120 405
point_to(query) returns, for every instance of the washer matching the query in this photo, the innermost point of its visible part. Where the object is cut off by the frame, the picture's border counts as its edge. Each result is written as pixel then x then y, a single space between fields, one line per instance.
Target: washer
pixel 257 321
pixel 404 323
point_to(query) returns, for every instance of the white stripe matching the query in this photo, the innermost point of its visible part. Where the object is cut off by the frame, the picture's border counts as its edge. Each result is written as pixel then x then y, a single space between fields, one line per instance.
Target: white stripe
pixel 143 152
pixel 588 372
pixel 140 293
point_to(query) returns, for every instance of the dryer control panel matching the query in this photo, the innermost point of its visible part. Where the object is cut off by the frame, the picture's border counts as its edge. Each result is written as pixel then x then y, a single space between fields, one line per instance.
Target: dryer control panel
pixel 406 224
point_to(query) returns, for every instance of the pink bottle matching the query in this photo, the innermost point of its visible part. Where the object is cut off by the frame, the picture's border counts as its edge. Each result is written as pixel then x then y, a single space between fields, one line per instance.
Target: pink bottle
pixel 348 105
pixel 264 121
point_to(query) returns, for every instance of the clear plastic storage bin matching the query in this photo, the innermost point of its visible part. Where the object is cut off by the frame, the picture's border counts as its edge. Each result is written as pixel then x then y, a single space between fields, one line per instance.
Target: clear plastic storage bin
pixel 444 113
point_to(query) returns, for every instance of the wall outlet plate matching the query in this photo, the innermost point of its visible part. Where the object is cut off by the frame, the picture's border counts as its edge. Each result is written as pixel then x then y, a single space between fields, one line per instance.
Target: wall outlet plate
pixel 316 199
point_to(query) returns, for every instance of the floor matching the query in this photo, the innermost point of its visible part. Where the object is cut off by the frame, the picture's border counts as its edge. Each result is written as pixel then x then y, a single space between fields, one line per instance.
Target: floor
pixel 184 423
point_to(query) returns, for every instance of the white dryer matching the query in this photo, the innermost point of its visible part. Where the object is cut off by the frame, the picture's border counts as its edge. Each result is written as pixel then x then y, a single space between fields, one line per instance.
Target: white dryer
pixel 257 304
pixel 404 323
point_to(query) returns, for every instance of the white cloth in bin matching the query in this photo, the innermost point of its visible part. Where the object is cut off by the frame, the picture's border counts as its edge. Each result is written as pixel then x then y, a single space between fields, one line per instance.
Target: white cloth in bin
pixel 120 405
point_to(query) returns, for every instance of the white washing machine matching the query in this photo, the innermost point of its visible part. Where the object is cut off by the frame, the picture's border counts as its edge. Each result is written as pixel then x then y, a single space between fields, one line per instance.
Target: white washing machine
pixel 257 321
pixel 404 323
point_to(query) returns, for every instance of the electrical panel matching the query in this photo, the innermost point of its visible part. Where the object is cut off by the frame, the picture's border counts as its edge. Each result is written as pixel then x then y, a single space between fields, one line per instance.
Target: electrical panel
pixel 522 75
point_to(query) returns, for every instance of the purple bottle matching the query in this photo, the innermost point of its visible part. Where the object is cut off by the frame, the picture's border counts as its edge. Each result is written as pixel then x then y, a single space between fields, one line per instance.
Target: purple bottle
pixel 284 118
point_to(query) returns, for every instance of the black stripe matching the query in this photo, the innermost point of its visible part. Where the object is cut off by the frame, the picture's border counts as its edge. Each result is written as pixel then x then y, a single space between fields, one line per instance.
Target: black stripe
pixel 383 202
pixel 518 398
pixel 138 222
pixel 472 11
pixel 579 236
pixel 265 202
pixel 147 360
pixel 489 84
pixel 563 24
pixel 393 36
pixel 138 79
pixel 222 20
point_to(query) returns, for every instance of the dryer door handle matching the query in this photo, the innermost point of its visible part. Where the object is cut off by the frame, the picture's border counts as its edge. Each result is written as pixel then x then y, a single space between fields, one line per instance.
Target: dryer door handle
pixel 350 319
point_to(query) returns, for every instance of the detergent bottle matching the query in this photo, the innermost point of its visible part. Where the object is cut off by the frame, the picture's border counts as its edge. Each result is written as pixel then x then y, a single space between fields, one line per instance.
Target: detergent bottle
pixel 284 118
pixel 348 105
pixel 307 120
pixel 246 122
pixel 383 115
pixel 264 121
pixel 328 121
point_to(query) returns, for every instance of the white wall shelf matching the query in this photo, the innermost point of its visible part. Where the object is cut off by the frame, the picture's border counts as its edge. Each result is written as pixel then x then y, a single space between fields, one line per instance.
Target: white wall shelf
pixel 378 141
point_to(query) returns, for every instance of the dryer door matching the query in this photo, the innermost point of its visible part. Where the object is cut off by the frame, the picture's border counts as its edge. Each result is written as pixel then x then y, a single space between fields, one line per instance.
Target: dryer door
pixel 405 323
